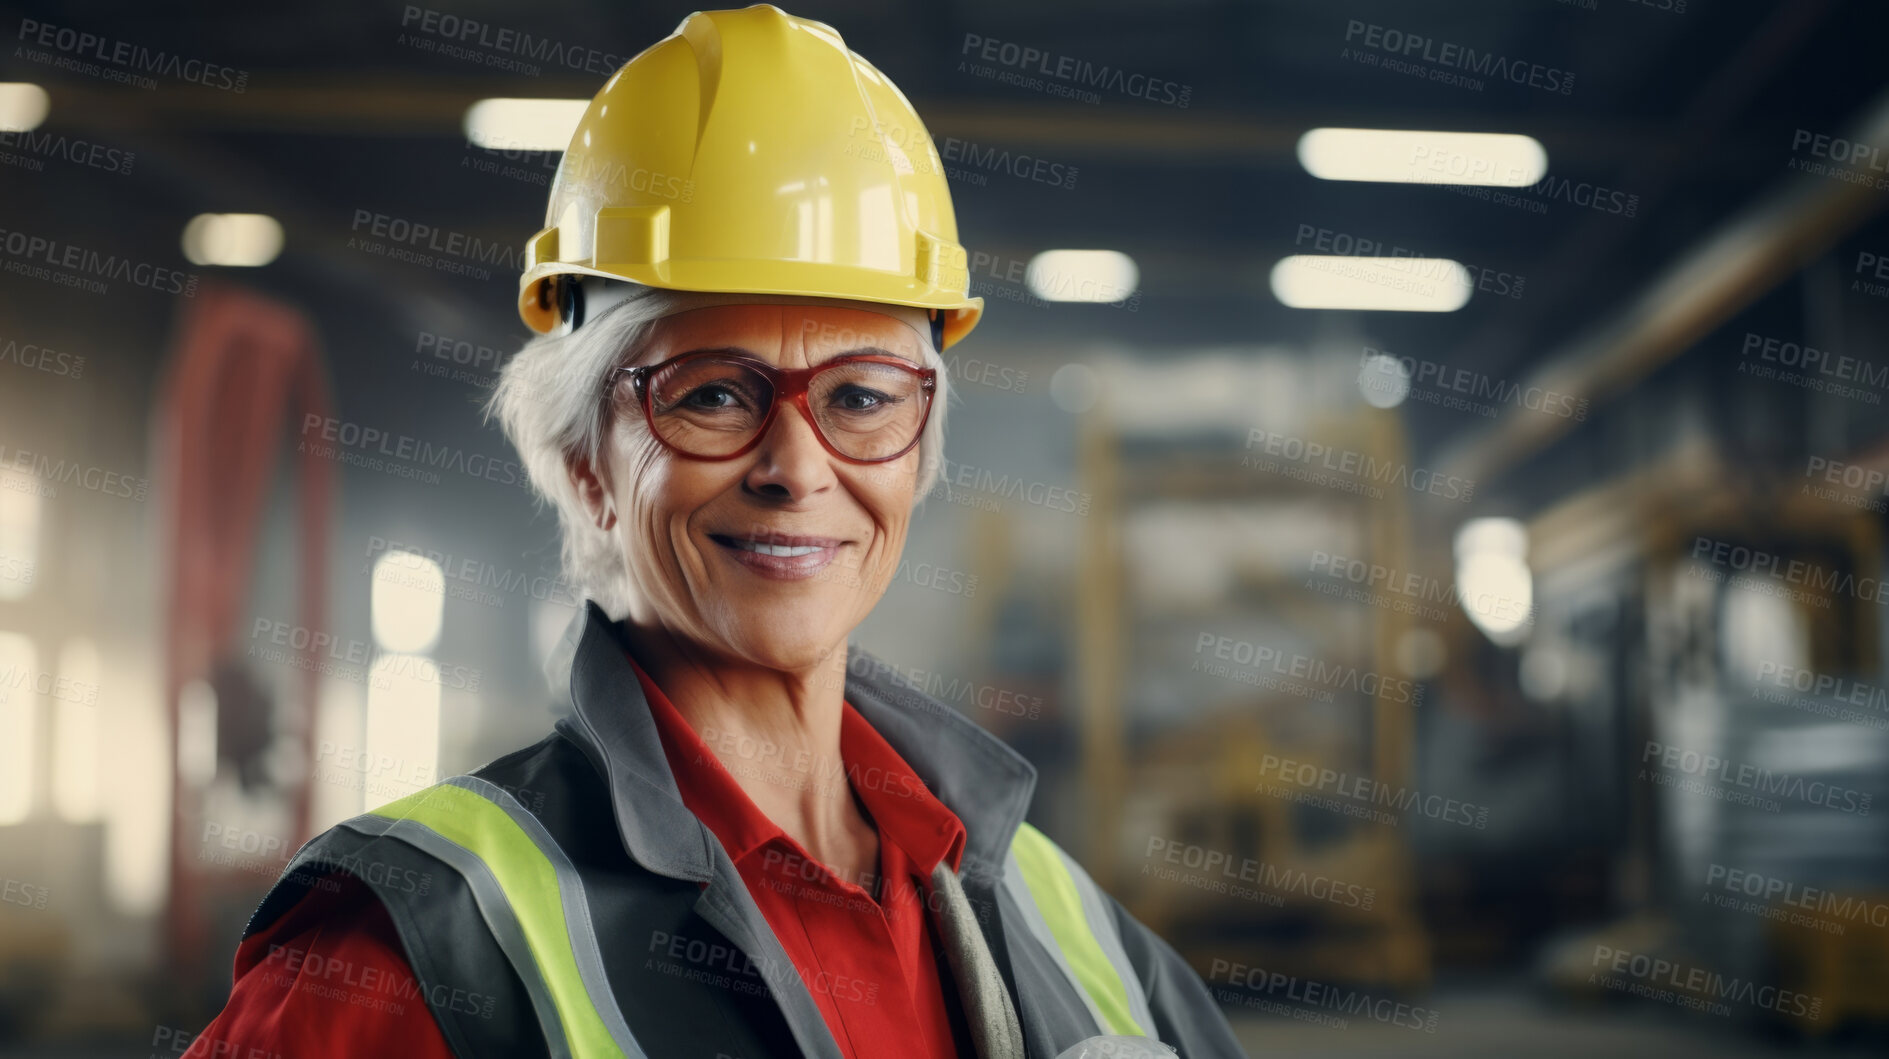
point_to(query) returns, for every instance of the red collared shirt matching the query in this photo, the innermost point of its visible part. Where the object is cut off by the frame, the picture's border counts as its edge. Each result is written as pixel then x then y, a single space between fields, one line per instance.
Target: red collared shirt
pixel 327 978
pixel 871 965
pixel 863 947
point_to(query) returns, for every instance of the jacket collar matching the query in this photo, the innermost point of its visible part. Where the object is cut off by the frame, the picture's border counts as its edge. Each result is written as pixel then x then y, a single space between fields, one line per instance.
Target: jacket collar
pixel 979 778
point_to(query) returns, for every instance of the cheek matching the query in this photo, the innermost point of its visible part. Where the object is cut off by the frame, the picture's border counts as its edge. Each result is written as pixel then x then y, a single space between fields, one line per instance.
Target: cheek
pixel 898 492
pixel 660 495
pixel 888 495
pixel 638 474
pixel 646 491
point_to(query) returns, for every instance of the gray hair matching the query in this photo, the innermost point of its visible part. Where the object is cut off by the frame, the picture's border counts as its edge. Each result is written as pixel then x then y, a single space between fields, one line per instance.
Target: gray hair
pixel 549 400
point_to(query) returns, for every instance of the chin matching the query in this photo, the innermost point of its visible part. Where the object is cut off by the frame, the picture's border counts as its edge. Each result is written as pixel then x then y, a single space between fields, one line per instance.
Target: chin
pixel 788 637
pixel 788 656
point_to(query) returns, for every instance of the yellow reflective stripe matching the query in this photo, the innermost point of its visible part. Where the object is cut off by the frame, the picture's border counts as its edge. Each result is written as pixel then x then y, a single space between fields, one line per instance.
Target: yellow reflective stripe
pixel 530 884
pixel 1058 899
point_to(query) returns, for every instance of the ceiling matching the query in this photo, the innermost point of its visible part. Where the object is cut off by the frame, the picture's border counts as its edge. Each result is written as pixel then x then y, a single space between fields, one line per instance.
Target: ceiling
pixel 1689 114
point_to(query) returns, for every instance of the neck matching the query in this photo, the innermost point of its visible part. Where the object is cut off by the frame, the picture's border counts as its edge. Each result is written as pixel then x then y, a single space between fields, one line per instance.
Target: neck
pixel 778 734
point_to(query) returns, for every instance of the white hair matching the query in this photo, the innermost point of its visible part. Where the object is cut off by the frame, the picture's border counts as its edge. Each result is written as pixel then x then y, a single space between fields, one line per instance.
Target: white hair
pixel 550 401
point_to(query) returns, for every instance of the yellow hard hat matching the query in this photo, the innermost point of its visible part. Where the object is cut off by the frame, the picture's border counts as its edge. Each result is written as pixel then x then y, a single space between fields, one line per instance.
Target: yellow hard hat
pixel 751 151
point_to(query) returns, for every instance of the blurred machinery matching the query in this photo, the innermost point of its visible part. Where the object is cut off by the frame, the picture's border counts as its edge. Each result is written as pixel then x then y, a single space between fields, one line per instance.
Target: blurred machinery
pixel 245 371
pixel 1743 741
pixel 1193 542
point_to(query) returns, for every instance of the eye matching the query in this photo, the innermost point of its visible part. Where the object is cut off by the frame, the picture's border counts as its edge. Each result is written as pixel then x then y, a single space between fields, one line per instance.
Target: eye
pixel 860 399
pixel 709 397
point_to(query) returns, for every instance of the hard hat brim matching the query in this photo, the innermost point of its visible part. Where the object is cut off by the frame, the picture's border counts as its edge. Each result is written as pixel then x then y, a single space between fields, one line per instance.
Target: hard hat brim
pixel 539 309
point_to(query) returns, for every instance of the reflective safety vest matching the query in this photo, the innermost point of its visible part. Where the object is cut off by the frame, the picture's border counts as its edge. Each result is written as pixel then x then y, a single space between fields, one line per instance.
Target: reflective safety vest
pixel 538 922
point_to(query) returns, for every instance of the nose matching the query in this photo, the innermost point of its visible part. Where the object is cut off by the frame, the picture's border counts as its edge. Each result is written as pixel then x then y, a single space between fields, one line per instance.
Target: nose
pixel 790 463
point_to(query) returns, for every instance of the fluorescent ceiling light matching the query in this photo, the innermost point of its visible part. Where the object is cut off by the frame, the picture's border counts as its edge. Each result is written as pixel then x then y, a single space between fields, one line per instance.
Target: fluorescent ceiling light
pixel 1492 536
pixel 1414 284
pixel 1082 276
pixel 524 124
pixel 1411 156
pixel 22 106
pixel 238 240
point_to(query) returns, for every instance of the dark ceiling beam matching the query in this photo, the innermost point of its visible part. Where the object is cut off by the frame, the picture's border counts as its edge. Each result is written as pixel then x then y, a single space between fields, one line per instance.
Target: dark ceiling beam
pixel 434 107
pixel 200 175
pixel 1704 128
pixel 1745 258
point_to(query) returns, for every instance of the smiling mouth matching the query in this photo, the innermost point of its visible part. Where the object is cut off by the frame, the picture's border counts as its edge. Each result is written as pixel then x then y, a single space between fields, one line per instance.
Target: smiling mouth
pixel 780 556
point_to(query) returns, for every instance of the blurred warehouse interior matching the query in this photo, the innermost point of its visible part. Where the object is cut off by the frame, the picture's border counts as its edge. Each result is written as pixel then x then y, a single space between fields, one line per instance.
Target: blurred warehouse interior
pixel 1474 659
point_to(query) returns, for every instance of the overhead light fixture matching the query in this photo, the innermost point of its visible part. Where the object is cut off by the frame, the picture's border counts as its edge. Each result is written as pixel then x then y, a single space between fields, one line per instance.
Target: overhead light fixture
pixel 1412 284
pixel 524 124
pixel 1412 156
pixel 1493 582
pixel 1082 276
pixel 235 240
pixel 1384 381
pixel 23 106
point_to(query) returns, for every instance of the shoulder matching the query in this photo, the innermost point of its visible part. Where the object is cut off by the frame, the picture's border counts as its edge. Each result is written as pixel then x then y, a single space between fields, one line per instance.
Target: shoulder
pixel 1133 979
pixel 1061 887
pixel 331 973
pixel 403 888
pixel 1046 867
pixel 532 775
pixel 405 849
pixel 337 909
pixel 549 800
pixel 1079 914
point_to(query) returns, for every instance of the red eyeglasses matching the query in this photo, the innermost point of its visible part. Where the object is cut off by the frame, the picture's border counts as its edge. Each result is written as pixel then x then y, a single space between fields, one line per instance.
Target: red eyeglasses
pixel 716 405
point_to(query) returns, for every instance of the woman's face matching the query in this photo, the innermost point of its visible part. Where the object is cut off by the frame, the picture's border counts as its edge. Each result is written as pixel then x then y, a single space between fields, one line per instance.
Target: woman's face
pixel 682 522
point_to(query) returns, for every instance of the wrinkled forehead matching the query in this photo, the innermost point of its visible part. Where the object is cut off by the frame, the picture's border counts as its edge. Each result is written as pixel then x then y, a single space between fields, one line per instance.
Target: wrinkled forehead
pixel 697 319
pixel 768 327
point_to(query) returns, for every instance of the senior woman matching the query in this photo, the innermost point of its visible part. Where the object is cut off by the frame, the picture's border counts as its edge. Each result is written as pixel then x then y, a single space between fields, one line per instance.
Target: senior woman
pixel 745 839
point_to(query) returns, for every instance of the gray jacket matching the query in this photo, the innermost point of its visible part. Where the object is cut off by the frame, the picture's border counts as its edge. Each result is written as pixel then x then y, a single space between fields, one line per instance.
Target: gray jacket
pixel 538 925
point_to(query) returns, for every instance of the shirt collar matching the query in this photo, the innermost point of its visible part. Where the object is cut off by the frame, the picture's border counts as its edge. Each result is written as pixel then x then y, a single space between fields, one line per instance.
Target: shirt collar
pixel 904 812
pixel 983 782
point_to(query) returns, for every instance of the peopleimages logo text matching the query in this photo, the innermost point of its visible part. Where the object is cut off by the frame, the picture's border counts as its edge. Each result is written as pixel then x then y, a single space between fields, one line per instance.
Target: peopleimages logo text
pixel 1759 563
pixel 438 240
pixel 1068 68
pixel 27 247
pixel 128 56
pixel 1458 57
pixel 374 441
pixel 1764 781
pixel 472 32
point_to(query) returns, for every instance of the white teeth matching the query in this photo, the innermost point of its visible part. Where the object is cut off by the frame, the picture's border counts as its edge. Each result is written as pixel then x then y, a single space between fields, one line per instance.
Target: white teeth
pixel 776 549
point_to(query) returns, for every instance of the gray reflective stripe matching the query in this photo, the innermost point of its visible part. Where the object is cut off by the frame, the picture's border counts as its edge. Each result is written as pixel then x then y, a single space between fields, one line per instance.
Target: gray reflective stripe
pixel 1113 1047
pixel 577 921
pixel 1039 929
pixel 492 906
pixel 1095 905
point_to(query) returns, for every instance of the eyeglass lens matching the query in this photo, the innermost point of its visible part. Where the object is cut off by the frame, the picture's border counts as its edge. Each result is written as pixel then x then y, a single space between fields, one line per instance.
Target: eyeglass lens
pixel 712 406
